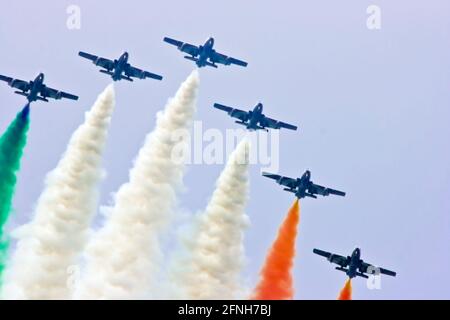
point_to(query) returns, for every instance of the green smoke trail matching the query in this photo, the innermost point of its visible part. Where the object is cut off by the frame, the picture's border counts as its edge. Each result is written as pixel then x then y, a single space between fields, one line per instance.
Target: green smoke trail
pixel 12 143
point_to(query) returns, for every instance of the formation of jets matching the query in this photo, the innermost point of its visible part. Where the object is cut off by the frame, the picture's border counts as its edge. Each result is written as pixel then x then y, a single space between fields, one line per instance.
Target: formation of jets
pixel 206 56
pixel 120 69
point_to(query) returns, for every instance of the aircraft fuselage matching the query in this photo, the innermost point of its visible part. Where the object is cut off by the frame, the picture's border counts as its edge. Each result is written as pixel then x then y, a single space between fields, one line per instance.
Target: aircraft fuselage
pixel 355 263
pixel 255 118
pixel 120 66
pixel 303 185
pixel 35 88
pixel 204 53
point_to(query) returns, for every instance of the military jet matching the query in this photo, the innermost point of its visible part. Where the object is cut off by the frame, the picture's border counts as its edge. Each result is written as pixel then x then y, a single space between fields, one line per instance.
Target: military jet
pixel 353 265
pixel 35 89
pixel 254 119
pixel 119 69
pixel 303 187
pixel 204 55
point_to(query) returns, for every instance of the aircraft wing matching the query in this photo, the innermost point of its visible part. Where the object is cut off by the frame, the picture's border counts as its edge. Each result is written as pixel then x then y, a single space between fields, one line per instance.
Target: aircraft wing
pixel 284 181
pixel 333 258
pixel 6 79
pixel 323 191
pixel 47 92
pixel 182 46
pixel 365 266
pixel 222 107
pixel 98 61
pixel 223 59
pixel 235 113
pixel 18 84
pixel 388 272
pixel 275 124
pixel 141 74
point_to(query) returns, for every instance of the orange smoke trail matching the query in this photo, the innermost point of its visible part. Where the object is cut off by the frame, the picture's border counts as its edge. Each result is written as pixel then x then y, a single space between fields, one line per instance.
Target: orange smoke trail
pixel 276 277
pixel 346 292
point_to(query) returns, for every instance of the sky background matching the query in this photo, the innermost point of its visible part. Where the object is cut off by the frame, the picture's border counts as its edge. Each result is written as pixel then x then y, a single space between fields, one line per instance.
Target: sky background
pixel 372 108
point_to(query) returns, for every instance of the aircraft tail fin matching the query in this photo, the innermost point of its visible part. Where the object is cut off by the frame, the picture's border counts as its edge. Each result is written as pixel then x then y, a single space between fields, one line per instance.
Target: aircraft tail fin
pixel 28 97
pixel 21 93
pixel 341 269
pixel 107 72
pixel 262 128
pixel 207 63
pixel 311 195
pixel 126 78
pixel 289 190
pixel 362 275
pixel 191 58
pixel 211 64
pixel 42 99
pixel 241 123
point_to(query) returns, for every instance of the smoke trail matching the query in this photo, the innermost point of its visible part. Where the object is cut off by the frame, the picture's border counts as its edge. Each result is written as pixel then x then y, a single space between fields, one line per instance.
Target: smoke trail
pixel 124 257
pixel 215 255
pixel 12 144
pixel 276 275
pixel 51 243
pixel 346 292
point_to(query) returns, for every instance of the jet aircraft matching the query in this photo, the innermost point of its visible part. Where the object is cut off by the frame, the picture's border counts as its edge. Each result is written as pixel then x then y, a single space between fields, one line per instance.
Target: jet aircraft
pixel 254 119
pixel 204 55
pixel 353 265
pixel 303 187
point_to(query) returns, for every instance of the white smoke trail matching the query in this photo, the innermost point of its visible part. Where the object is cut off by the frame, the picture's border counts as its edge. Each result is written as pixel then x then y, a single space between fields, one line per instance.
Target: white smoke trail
pixel 50 245
pixel 123 259
pixel 212 267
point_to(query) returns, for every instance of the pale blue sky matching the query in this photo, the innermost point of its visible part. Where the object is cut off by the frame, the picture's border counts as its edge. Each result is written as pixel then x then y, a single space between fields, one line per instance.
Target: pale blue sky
pixel 372 107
